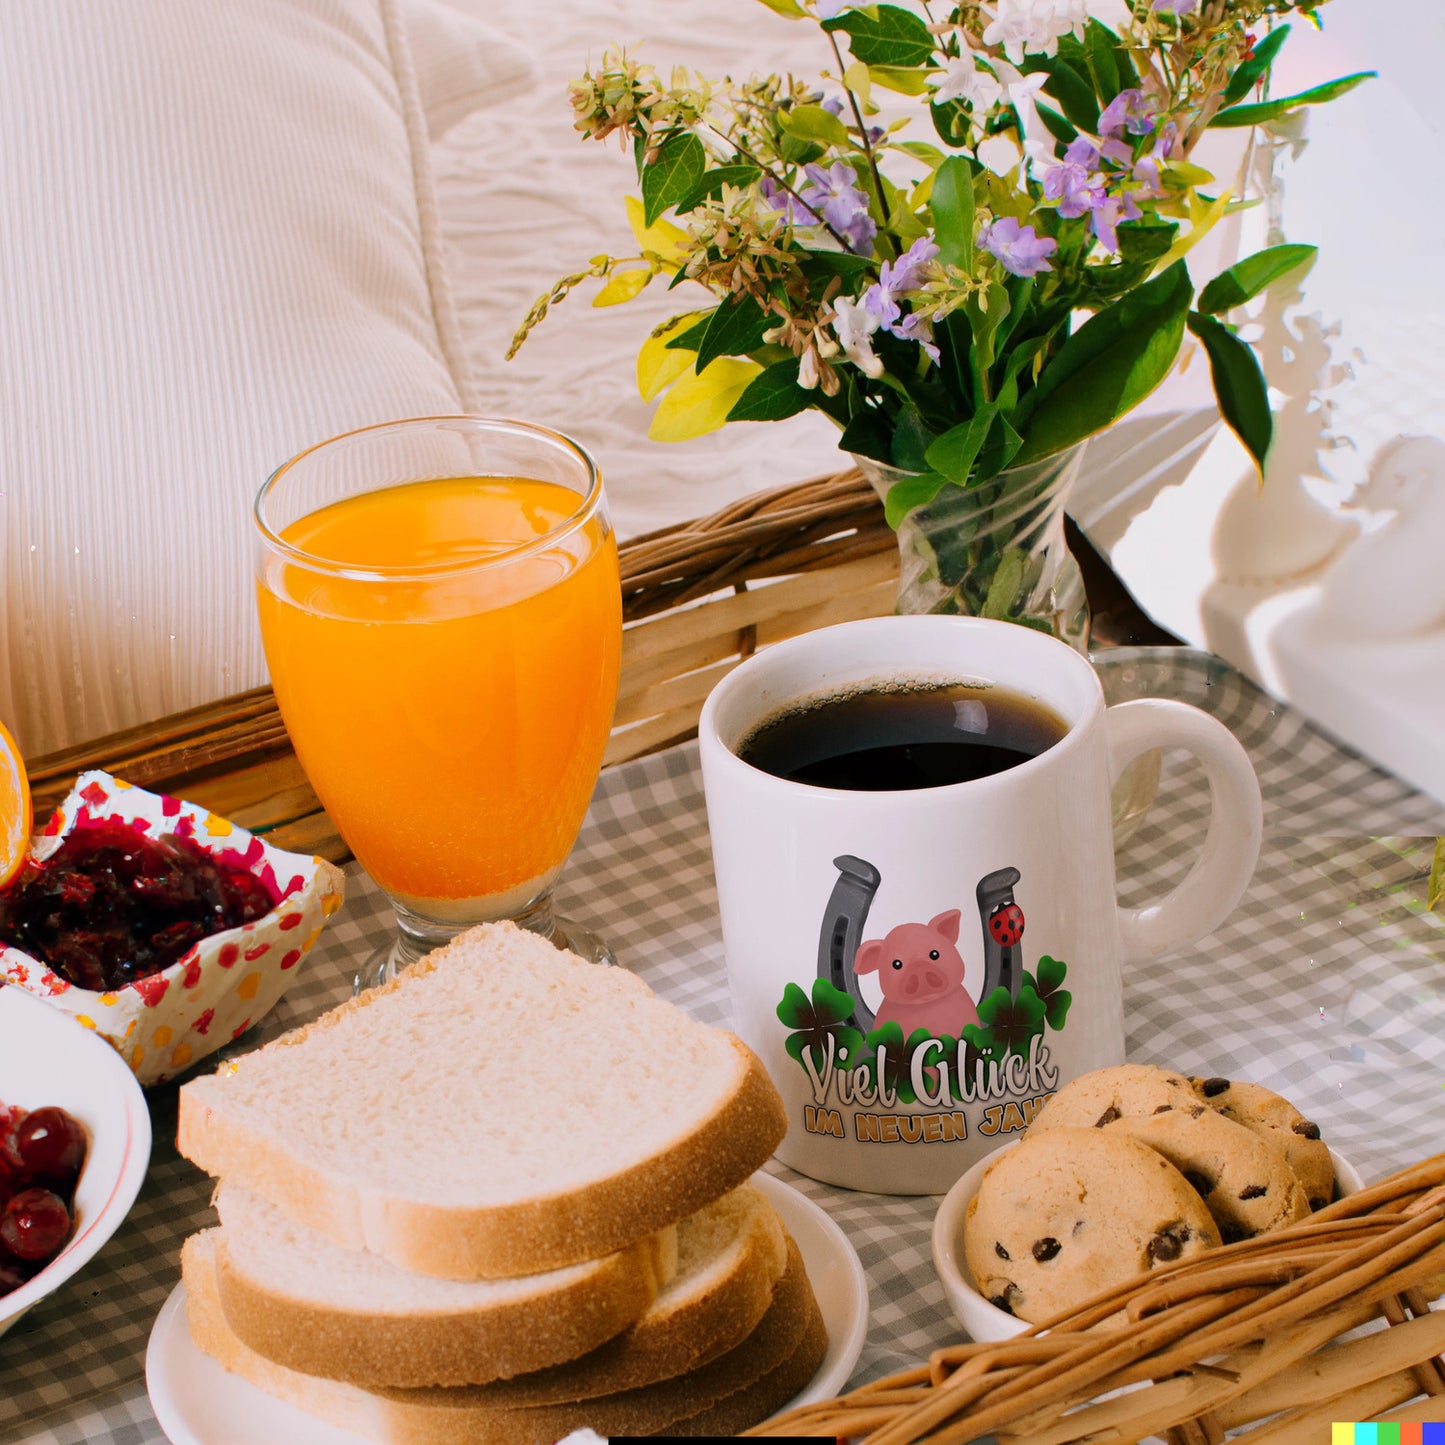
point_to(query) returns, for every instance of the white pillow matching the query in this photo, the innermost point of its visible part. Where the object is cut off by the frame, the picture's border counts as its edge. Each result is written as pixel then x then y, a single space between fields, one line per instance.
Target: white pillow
pixel 460 64
pixel 218 245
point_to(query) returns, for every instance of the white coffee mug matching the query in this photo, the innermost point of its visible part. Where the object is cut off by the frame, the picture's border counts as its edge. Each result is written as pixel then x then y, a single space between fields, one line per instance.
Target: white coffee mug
pixel 918 970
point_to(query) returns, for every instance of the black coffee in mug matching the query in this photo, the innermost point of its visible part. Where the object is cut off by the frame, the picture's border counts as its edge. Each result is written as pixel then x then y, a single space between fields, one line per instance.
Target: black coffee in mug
pixel 901 735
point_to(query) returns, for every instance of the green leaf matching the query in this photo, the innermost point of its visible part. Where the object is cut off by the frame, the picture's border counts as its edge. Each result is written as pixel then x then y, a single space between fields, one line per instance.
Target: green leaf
pixel 1099 52
pixel 954 452
pixel 813 123
pixel 710 183
pixel 952 205
pixel 1056 125
pixel 793 1009
pixel 899 78
pixel 885 35
pixel 952 122
pixel 1238 115
pixel 1435 896
pixel 1067 86
pixel 1238 384
pixel 1247 278
pixel 868 434
pixel 672 174
pixel 1252 71
pixel 922 150
pixel 691 339
pixel 915 490
pixel 734 329
pixel 1003 589
pixel 773 395
pixel 788 9
pixel 1109 365
pixel 911 439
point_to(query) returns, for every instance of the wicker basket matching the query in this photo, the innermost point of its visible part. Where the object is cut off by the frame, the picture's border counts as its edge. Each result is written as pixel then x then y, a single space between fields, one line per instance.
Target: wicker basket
pixel 697 599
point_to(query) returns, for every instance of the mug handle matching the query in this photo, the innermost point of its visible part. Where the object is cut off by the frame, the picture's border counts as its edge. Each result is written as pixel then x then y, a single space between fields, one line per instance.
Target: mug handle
pixel 1215 884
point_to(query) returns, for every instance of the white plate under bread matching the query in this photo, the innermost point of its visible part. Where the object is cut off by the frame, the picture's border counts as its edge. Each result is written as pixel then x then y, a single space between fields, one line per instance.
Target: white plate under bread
pixel 199 1403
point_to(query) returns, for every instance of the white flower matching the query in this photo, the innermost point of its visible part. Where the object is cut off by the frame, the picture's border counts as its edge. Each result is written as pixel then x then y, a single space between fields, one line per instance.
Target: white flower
pixel 966 79
pixel 1033 26
pixel 854 325
pixel 1000 154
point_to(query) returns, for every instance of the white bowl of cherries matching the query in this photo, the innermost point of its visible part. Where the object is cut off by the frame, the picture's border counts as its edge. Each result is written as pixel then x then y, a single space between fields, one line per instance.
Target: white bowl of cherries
pixel 75 1141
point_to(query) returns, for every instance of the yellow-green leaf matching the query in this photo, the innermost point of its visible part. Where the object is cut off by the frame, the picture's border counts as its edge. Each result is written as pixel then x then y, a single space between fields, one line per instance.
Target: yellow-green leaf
pixel 662 238
pixel 696 405
pixel 857 79
pixel 900 78
pixel 659 365
pixel 1202 218
pixel 1436 898
pixel 623 286
pixel 788 9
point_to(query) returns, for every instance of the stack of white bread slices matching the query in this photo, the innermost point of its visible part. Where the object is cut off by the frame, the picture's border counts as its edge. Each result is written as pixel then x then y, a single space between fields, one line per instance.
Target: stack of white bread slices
pixel 498 1199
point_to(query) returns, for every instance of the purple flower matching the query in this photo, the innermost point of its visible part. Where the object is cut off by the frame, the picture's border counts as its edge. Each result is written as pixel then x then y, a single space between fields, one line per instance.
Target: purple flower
pixel 897 279
pixel 878 301
pixel 833 105
pixel 1108 216
pixel 909 271
pixel 1146 169
pixel 1021 251
pixel 917 328
pixel 1082 152
pixel 1176 7
pixel 834 193
pixel 1131 111
pixel 779 198
pixel 1076 189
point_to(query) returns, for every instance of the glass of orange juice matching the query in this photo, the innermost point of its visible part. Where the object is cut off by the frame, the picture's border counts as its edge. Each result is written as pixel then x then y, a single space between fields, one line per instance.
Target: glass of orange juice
pixel 442 616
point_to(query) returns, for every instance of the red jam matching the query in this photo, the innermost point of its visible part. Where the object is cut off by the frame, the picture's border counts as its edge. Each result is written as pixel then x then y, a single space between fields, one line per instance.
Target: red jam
pixel 112 905
pixel 41 1154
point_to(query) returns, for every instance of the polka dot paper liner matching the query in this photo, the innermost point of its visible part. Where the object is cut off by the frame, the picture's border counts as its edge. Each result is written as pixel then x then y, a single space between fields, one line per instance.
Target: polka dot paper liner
pixel 223 984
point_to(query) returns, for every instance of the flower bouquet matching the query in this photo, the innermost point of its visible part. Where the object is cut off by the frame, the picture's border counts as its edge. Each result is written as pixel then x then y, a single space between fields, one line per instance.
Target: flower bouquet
pixel 966 245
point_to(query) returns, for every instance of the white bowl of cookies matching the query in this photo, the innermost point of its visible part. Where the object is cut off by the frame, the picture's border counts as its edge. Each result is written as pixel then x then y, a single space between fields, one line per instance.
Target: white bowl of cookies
pixel 1124 1170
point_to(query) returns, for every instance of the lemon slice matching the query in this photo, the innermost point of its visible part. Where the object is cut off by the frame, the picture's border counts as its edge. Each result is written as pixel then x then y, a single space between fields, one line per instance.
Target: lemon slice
pixel 15 814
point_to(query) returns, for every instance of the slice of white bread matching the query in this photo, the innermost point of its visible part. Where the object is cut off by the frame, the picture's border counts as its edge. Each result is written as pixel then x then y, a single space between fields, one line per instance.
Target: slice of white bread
pixel 314 1305
pixel 499 1109
pixel 749 1381
pixel 730 1257
pixel 305 1302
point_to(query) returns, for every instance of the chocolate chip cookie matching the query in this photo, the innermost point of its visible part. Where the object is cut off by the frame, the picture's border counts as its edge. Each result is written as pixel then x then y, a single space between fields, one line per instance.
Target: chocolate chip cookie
pixel 1245 1183
pixel 1068 1212
pixel 1098 1098
pixel 1278 1122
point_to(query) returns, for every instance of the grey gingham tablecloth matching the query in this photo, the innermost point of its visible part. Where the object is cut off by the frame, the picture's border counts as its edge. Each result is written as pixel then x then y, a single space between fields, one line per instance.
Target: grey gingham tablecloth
pixel 1328 984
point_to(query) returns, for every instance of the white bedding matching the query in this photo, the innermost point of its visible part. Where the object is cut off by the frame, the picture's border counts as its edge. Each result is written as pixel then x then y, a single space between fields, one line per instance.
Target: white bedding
pixel 525 200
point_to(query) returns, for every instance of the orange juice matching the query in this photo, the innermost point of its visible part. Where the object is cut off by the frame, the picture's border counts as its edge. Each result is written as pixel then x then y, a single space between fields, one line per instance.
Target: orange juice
pixel 450 698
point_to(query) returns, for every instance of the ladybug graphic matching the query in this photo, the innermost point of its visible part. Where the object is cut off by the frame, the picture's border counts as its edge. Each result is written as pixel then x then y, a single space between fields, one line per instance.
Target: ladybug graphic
pixel 1006 924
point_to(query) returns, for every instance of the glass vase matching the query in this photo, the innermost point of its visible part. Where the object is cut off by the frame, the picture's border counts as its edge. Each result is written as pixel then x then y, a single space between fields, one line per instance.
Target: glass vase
pixel 994 548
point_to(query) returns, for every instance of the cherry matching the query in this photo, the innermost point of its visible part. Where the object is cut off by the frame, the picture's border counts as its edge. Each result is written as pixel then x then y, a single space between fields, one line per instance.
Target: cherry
pixel 12 1275
pixel 34 1225
pixel 51 1145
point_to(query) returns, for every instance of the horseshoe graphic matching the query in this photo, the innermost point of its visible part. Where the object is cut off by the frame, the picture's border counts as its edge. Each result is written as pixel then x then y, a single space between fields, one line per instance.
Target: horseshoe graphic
pixel 842 931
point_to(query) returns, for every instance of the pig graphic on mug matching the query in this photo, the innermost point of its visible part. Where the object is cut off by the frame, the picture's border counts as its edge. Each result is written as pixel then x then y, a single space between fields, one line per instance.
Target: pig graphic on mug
pixel 921 972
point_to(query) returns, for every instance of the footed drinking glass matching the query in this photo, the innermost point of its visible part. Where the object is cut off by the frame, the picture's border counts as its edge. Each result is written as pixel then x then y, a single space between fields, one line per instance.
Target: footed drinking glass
pixel 441 613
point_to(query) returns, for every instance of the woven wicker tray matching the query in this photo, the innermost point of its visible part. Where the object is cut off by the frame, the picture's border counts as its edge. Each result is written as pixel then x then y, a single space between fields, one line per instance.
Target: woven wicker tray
pixel 1264 1335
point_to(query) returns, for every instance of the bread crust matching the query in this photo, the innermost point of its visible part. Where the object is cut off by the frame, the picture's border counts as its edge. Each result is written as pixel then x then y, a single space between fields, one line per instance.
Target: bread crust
pixel 704 1327
pixel 491 1241
pixel 444 1347
pixel 746 1384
